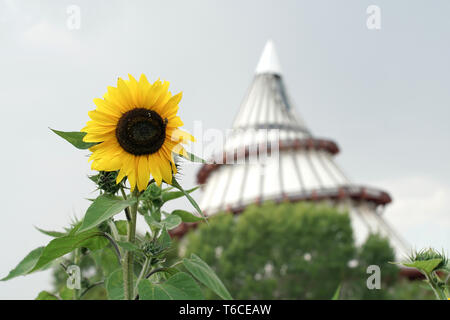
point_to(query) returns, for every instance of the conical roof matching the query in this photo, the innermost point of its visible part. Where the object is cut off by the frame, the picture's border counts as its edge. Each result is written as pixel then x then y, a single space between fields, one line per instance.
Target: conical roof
pixel 269 63
pixel 266 106
pixel 271 155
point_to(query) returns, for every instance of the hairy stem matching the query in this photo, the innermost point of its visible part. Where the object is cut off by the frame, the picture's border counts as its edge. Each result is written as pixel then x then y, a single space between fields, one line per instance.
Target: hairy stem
pixel 127 210
pixel 115 246
pixel 433 281
pixel 143 272
pixel 129 256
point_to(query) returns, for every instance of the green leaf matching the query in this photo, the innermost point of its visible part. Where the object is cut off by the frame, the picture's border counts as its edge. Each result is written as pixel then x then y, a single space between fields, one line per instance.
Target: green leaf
pixel 180 286
pixel 45 295
pixel 172 195
pixel 151 221
pixel 337 293
pixel 171 222
pixel 188 196
pixel 74 228
pixel 75 138
pixel 103 208
pixel 186 216
pixel 203 273
pixel 164 239
pixel 128 246
pixel 169 272
pixel 55 234
pixel 114 285
pixel 426 266
pixel 65 293
pixel 61 246
pixel 192 157
pixel 122 227
pixel 25 265
pixel 156 215
pixel 153 191
pixel 108 260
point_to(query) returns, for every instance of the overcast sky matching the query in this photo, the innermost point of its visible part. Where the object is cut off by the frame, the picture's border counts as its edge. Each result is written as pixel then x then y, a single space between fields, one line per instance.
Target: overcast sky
pixel 382 95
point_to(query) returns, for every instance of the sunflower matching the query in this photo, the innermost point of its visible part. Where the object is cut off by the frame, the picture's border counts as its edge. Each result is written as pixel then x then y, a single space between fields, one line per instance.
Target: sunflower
pixel 136 128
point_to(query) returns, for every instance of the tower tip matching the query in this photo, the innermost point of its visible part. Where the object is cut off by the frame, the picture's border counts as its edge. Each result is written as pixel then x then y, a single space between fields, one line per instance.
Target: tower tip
pixel 269 63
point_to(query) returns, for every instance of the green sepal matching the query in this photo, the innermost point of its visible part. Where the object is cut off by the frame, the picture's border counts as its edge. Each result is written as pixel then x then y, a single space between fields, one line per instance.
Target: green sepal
pixel 75 138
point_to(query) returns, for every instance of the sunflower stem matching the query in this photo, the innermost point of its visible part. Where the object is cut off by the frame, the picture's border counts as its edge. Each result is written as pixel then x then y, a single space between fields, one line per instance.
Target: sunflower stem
pixel 128 264
pixel 127 210
pixel 143 272
pixel 432 281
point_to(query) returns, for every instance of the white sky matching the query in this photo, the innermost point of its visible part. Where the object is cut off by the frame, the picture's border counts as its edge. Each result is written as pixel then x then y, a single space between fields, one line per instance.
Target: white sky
pixel 381 95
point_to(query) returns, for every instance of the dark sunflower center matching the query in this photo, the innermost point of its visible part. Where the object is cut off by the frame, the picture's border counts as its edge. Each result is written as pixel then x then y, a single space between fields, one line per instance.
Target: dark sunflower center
pixel 141 131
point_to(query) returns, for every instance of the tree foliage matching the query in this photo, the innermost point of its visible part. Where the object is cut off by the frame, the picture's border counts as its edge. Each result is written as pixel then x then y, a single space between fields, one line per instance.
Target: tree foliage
pixel 292 251
pixel 287 251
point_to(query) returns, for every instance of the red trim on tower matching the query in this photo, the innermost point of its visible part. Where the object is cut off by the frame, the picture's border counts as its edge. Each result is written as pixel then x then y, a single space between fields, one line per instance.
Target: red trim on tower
pixel 355 193
pixel 284 145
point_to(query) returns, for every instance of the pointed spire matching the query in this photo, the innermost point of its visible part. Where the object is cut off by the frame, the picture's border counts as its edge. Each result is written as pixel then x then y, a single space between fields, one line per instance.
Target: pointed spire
pixel 269 63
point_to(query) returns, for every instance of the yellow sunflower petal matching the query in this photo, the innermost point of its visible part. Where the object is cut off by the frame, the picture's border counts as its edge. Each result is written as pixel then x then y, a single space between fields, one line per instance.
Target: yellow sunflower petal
pixel 107 108
pixel 103 117
pixel 163 98
pixel 143 173
pixel 174 122
pixel 152 94
pixel 178 135
pixel 136 95
pixel 153 161
pixel 98 129
pixel 131 174
pixel 112 164
pixel 165 168
pixel 115 97
pixel 144 85
pixel 170 108
pixel 121 175
pixel 107 151
pixel 98 137
pixel 125 92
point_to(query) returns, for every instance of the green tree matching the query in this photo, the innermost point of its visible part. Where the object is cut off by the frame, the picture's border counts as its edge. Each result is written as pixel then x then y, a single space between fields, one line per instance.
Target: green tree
pixel 376 250
pixel 296 251
pixel 287 251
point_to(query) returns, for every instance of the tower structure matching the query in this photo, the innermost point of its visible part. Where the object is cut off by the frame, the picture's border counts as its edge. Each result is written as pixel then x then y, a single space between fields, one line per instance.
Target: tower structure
pixel 297 166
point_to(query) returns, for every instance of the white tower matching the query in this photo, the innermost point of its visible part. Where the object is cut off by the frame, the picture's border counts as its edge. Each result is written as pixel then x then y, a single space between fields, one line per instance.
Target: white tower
pixel 302 170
